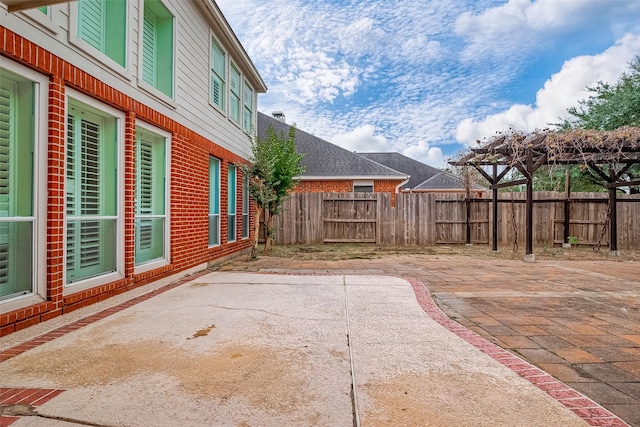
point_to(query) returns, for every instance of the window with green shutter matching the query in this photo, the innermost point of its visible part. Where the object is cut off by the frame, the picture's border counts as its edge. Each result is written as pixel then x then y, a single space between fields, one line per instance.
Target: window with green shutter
pixel 247 123
pixel 17 220
pixel 214 201
pixel 91 193
pixel 235 93
pixel 150 197
pixel 157 47
pixel 218 74
pixel 231 203
pixel 102 24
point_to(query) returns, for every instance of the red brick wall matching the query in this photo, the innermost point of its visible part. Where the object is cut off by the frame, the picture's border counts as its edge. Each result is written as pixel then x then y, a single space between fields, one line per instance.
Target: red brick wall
pixel 189 188
pixel 346 186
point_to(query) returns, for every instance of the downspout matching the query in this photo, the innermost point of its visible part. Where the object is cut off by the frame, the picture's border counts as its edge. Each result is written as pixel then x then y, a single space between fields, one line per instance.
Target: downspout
pixel 402 183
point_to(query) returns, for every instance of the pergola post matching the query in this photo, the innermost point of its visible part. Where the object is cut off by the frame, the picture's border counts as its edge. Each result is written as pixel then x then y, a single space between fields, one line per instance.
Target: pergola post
pixel 529 257
pixel 494 196
pixel 613 214
pixel 567 208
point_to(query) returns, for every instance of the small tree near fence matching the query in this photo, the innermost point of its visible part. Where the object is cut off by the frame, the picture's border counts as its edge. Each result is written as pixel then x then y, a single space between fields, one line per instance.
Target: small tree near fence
pixel 272 174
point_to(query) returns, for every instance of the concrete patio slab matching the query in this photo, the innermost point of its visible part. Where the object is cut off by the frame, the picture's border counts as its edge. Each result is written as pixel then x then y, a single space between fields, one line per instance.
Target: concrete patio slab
pixel 240 349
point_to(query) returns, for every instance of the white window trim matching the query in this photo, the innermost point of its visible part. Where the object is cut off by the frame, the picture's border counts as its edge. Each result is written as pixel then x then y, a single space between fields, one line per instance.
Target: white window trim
pixel 254 104
pixel 225 102
pixel 241 106
pixel 41 89
pixel 363 183
pixel 103 59
pixel 219 203
pixel 45 21
pixel 245 183
pixel 235 207
pixel 162 97
pixel 81 285
pixel 152 265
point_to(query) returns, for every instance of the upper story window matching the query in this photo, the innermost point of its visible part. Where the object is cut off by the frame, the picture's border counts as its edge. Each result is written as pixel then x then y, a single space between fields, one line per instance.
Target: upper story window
pixel 102 24
pixel 218 74
pixel 235 94
pixel 247 123
pixel 156 68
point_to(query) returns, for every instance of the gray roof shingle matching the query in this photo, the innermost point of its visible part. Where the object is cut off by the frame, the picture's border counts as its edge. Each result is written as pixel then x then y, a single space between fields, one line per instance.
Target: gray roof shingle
pixel 423 177
pixel 324 159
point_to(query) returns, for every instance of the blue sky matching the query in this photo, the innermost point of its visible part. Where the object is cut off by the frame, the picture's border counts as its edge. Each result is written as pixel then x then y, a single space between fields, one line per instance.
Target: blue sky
pixel 426 78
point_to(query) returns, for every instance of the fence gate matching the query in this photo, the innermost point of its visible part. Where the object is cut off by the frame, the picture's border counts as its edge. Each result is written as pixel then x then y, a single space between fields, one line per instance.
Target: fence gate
pixel 350 219
pixel 451 221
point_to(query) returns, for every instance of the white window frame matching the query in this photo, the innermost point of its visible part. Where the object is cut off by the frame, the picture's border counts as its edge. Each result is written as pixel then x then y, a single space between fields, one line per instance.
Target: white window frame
pixel 252 124
pixel 219 194
pixel 86 48
pixel 240 101
pixel 225 99
pixel 233 194
pixel 167 214
pixel 363 183
pixel 41 123
pixel 170 100
pixel 43 20
pixel 245 207
pixel 92 282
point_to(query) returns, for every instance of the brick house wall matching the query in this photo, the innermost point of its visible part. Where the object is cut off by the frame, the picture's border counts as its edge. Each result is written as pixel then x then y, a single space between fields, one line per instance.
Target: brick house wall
pixel 189 197
pixel 345 186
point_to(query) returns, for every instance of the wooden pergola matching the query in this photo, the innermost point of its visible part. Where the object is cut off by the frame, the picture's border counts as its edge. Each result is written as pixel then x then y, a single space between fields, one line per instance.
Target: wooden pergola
pixel 609 154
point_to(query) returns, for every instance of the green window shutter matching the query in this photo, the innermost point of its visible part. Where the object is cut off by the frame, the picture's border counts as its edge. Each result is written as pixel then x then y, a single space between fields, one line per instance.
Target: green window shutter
pixel 234 101
pixel 231 203
pixel 214 201
pixel 17 127
pixel 91 19
pixel 247 123
pixel 217 74
pixel 149 47
pixel 84 248
pixel 90 195
pixel 150 197
pixel 6 136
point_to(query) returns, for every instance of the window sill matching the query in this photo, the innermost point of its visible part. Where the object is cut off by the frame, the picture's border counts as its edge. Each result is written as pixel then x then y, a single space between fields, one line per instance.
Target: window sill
pixel 92 282
pixel 44 21
pixel 19 302
pixel 160 96
pixel 151 265
pixel 110 65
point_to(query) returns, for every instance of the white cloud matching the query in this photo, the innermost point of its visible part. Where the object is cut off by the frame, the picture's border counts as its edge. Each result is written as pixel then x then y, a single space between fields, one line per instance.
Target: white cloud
pixel 562 91
pixel 362 139
pixel 426 154
pixel 516 26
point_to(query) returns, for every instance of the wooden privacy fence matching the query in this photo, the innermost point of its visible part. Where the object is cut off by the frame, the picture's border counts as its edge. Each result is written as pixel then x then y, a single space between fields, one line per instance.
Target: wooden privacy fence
pixel 430 218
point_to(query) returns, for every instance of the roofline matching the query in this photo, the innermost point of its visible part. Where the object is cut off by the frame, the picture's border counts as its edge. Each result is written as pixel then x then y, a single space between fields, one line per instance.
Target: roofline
pixel 214 13
pixel 335 178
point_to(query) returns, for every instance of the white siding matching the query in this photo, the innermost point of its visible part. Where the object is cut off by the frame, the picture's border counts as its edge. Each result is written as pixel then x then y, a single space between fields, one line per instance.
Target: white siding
pixel 190 105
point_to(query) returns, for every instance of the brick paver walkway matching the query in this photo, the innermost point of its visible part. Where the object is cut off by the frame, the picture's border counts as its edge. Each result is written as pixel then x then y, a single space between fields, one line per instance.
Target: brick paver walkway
pixel 578 321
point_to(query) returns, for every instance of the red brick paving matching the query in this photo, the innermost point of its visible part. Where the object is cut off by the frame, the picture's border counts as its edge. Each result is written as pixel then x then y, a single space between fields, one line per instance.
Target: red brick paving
pixel 27 396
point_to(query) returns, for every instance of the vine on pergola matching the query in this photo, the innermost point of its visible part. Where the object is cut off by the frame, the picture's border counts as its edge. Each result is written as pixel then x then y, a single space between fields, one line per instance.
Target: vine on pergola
pixel 610 154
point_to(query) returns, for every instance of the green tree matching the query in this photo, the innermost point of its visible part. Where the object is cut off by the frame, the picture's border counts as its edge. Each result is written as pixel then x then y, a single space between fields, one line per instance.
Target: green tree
pixel 272 174
pixel 609 107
